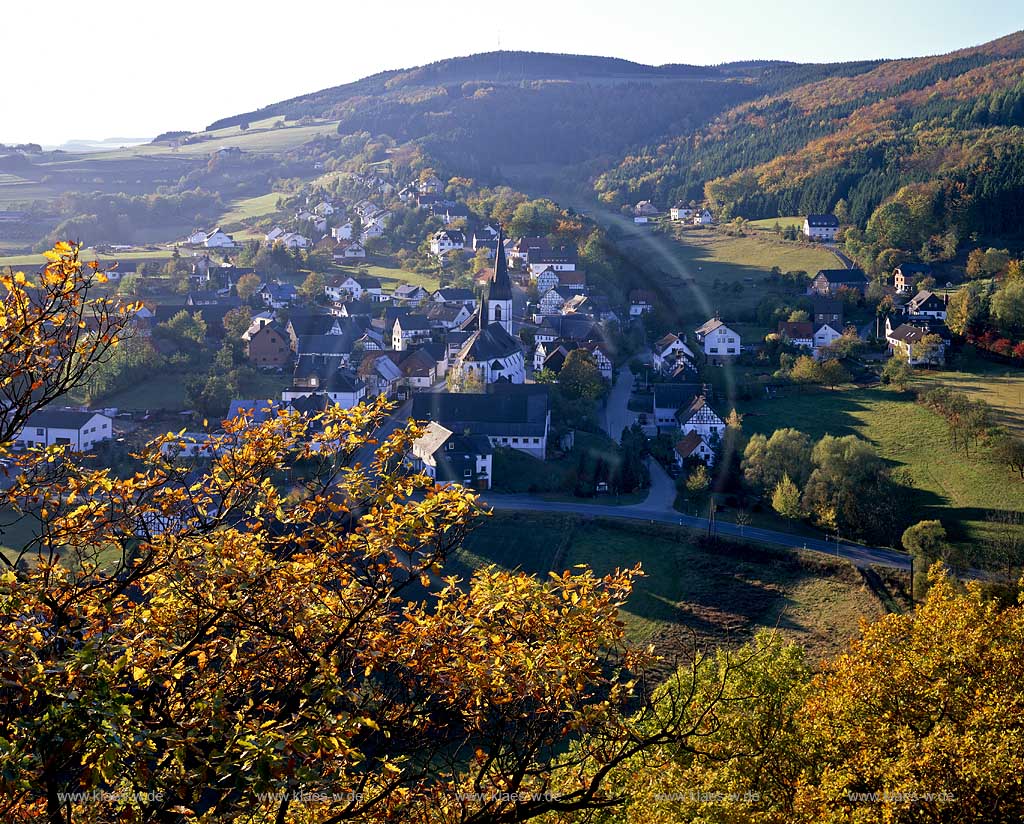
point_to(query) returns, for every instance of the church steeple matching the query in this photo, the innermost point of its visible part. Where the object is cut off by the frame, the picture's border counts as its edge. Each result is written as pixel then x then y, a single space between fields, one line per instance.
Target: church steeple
pixel 497 304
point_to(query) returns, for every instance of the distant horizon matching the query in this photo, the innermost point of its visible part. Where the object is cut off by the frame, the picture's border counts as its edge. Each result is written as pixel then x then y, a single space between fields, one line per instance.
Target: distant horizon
pixel 109 98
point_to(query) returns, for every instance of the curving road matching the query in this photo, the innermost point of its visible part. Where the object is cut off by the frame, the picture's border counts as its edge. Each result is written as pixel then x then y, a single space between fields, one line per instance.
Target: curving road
pixel 857 555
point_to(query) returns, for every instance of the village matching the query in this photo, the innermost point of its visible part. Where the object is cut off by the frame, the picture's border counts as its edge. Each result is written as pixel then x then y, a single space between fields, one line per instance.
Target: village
pixel 519 360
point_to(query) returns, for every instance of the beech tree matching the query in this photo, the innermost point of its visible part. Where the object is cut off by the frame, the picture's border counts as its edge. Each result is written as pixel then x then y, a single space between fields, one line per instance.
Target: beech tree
pixel 196 642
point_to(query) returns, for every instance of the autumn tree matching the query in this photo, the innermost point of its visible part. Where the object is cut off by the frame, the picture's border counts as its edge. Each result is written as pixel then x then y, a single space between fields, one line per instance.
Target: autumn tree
pixel 926 542
pixel 786 499
pixel 967 308
pixel 897 372
pixel 189 642
pixel 833 373
pixel 236 322
pixel 766 461
pixel 312 288
pixel 580 377
pixel 247 286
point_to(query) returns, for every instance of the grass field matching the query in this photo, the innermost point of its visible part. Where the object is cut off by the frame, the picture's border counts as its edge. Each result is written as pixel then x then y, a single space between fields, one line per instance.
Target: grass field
pixel 1001 387
pixel 960 492
pixel 706 271
pixel 89 254
pixel 733 257
pixel 714 596
pixel 250 208
pixel 768 223
pixel 390 275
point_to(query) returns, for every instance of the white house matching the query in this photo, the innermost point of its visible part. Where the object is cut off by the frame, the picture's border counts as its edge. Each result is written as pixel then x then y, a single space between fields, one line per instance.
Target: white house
pixel 446 457
pixel 601 357
pixel 374 228
pixel 454 296
pixel 409 330
pixel 349 251
pixel 343 232
pixel 718 341
pixel 640 302
pixel 702 217
pixel 517 417
pixel 274 235
pixel 680 213
pixel 197 238
pixel 926 304
pixel 668 350
pixel 293 240
pixel 342 386
pixel 645 209
pixel 446 240
pixel 218 240
pixel 554 299
pixel 354 288
pixel 824 335
pixel 65 427
pixel 821 227
pixel 694 445
pixel 903 338
pixel 699 417
pixel 407 294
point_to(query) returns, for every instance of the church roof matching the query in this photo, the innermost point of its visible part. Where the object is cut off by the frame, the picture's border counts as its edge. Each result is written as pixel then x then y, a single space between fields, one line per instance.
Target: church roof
pixel 489 343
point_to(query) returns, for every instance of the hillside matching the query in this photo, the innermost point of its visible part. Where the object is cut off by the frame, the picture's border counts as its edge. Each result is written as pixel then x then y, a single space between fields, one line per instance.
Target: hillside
pixel 521 107
pixel 956 119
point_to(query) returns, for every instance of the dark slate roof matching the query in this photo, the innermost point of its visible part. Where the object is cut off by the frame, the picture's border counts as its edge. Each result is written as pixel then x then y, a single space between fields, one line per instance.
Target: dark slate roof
pixel 571 327
pixel 675 395
pixel 507 409
pixel 308 323
pixel 489 343
pixel 926 301
pixel 59 419
pixel 453 294
pixel 413 322
pixel 564 254
pixel 326 344
pixel 368 283
pixel 854 277
pixel 823 221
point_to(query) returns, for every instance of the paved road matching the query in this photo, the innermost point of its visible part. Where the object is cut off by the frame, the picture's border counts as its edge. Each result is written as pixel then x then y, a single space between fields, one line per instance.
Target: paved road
pixel 616 411
pixel 662 495
pixel 858 555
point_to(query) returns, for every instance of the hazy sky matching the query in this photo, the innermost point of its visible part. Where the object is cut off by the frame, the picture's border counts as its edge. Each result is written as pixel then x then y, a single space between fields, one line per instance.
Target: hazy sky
pixel 134 68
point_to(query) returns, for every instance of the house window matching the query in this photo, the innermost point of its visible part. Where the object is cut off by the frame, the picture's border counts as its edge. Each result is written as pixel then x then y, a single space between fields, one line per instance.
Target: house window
pixel 40 432
pixel 515 440
pixel 714 350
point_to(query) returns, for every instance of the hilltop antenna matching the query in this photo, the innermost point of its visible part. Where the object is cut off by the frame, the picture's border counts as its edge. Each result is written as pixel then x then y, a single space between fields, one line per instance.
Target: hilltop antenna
pixel 499 55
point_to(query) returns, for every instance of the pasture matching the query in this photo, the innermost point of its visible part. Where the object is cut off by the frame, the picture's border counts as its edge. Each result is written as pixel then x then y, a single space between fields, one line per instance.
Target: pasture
pixel 961 491
pixel 690 593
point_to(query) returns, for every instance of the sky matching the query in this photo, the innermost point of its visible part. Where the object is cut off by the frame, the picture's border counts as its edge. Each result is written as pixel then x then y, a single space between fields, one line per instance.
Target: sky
pixel 95 69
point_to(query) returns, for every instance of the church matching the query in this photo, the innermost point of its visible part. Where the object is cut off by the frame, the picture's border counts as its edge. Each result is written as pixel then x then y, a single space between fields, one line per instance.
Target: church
pixel 492 353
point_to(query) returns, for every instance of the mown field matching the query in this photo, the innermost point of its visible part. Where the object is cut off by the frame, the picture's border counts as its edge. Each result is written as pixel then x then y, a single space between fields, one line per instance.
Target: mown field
pixel 1000 386
pixel 961 492
pixel 768 223
pixel 711 596
pixel 707 271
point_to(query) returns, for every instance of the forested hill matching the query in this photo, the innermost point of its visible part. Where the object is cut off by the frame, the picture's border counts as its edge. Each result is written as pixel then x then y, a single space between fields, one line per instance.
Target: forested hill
pixel 500 108
pixel 953 123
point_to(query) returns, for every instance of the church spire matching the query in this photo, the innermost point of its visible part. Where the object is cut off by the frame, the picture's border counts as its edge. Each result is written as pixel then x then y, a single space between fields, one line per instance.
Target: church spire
pixel 500 287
